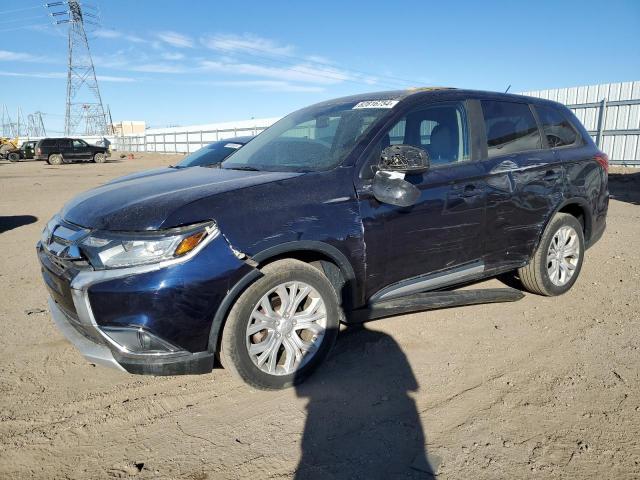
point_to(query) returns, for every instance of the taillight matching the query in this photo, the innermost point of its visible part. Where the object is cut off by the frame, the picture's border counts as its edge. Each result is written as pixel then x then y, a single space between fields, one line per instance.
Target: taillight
pixel 39 150
pixel 603 159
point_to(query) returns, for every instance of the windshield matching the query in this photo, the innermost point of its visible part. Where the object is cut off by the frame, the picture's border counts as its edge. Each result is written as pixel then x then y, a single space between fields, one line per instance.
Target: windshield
pixel 210 155
pixel 309 140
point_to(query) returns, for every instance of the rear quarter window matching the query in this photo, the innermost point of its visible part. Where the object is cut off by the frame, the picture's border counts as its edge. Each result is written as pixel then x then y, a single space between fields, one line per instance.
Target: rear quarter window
pixel 557 129
pixel 511 128
pixel 48 143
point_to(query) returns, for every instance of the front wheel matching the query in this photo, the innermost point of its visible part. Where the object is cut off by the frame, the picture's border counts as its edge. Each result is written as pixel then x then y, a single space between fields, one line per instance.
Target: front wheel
pixel 13 157
pixel 99 158
pixel 557 262
pixel 282 327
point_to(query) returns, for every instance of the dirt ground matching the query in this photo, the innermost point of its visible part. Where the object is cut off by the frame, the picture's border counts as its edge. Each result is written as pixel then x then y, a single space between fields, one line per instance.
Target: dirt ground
pixel 540 388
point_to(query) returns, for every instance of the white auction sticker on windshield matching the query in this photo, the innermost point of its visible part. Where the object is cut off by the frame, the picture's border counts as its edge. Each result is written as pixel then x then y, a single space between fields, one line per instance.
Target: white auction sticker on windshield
pixel 376 104
pixel 233 145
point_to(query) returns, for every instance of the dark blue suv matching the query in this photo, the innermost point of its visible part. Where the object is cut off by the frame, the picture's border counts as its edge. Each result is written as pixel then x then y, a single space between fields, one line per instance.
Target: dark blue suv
pixel 338 209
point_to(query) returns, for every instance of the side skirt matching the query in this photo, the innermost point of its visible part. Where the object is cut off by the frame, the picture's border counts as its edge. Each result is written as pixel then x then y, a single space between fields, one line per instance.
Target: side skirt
pixel 419 302
pixel 431 281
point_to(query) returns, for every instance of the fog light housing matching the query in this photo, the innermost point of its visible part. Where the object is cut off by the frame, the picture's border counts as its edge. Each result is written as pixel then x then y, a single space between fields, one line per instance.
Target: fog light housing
pixel 138 340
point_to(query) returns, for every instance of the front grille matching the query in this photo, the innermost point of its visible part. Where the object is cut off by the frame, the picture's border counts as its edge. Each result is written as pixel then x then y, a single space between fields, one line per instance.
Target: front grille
pixel 58 284
pixel 63 242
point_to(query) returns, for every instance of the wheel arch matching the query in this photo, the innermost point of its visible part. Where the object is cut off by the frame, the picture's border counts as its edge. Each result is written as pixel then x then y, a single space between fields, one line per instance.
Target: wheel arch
pixel 305 250
pixel 575 206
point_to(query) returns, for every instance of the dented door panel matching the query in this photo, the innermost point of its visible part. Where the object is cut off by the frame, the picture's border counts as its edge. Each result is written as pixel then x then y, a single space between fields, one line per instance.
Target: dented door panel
pixel 443 230
pixel 523 191
pixel 587 181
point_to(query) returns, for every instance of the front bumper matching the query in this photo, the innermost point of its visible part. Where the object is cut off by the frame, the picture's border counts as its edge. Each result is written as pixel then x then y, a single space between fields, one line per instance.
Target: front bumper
pixel 96 353
pixel 174 302
pixel 143 364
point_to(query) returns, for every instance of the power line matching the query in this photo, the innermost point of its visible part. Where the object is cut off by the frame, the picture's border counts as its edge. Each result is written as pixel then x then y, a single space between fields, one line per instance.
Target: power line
pixel 20 9
pixel 23 19
pixel 28 27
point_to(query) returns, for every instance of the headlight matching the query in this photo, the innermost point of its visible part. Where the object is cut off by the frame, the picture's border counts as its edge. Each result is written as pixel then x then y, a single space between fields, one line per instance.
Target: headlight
pixel 126 250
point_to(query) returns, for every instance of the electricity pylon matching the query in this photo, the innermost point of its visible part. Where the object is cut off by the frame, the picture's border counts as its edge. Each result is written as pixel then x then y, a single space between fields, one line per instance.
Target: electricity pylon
pixel 36 125
pixel 84 113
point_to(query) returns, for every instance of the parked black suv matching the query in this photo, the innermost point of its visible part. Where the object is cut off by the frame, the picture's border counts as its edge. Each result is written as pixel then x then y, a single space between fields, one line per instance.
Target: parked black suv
pixel 68 150
pixel 344 211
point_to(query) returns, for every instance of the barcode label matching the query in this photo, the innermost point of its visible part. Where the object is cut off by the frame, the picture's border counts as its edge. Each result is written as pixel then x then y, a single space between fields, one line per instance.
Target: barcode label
pixel 376 104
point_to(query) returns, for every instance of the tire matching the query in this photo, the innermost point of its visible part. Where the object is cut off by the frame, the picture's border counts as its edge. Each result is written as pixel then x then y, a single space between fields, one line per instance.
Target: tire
pixel 55 159
pixel 99 158
pixel 13 157
pixel 283 364
pixel 546 274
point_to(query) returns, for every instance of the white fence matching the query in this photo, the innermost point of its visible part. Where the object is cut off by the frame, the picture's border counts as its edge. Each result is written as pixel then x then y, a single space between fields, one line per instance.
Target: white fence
pixel 610 112
pixel 189 139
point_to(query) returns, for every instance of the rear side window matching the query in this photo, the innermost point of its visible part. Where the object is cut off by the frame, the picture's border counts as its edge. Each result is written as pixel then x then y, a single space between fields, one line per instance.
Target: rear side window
pixel 556 128
pixel 65 143
pixel 510 127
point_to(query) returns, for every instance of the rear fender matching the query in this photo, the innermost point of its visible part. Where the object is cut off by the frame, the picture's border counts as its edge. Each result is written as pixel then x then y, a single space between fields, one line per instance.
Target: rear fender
pixel 582 203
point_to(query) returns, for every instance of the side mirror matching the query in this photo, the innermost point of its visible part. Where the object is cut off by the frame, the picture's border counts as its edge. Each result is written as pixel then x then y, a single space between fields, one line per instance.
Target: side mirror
pixel 392 188
pixel 404 158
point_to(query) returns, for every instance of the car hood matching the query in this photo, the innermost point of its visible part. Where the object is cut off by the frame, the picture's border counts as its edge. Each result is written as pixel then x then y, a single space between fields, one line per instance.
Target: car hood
pixel 145 203
pixel 143 174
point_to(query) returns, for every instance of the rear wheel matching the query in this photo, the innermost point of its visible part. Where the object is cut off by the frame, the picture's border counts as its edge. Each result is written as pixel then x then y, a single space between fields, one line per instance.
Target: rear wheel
pixel 557 262
pixel 99 158
pixel 282 327
pixel 13 157
pixel 55 159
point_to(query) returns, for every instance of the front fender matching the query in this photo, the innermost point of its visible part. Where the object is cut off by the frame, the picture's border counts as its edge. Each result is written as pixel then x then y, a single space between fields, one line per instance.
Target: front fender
pixel 278 251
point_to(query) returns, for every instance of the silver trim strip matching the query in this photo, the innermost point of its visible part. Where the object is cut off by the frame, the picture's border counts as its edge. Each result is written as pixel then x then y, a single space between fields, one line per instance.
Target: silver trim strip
pixel 95 353
pixel 430 282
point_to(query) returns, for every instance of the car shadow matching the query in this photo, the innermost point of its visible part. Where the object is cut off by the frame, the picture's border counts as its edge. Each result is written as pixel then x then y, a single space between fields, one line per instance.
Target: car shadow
pixel 15 221
pixel 361 420
pixel 625 187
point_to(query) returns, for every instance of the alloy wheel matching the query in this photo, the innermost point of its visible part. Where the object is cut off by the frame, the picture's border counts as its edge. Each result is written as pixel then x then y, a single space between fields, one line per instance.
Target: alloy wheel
pixel 286 328
pixel 563 255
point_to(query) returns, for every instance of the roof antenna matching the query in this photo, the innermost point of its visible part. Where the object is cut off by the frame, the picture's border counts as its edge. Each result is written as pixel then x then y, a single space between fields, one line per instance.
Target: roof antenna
pixel 507 88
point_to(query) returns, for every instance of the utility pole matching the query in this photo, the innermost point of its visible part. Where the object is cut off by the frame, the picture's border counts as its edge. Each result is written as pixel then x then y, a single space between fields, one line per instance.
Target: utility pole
pixel 84 104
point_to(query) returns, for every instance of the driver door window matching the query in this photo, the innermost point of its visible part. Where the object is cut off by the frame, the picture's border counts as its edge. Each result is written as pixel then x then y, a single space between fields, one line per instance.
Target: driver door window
pixel 440 129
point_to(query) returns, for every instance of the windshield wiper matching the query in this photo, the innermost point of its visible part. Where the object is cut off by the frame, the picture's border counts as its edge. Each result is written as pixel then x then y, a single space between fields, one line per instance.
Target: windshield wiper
pixel 243 167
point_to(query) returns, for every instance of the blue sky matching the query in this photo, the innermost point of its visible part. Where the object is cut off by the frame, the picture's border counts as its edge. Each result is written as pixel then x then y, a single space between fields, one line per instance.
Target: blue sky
pixel 180 63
